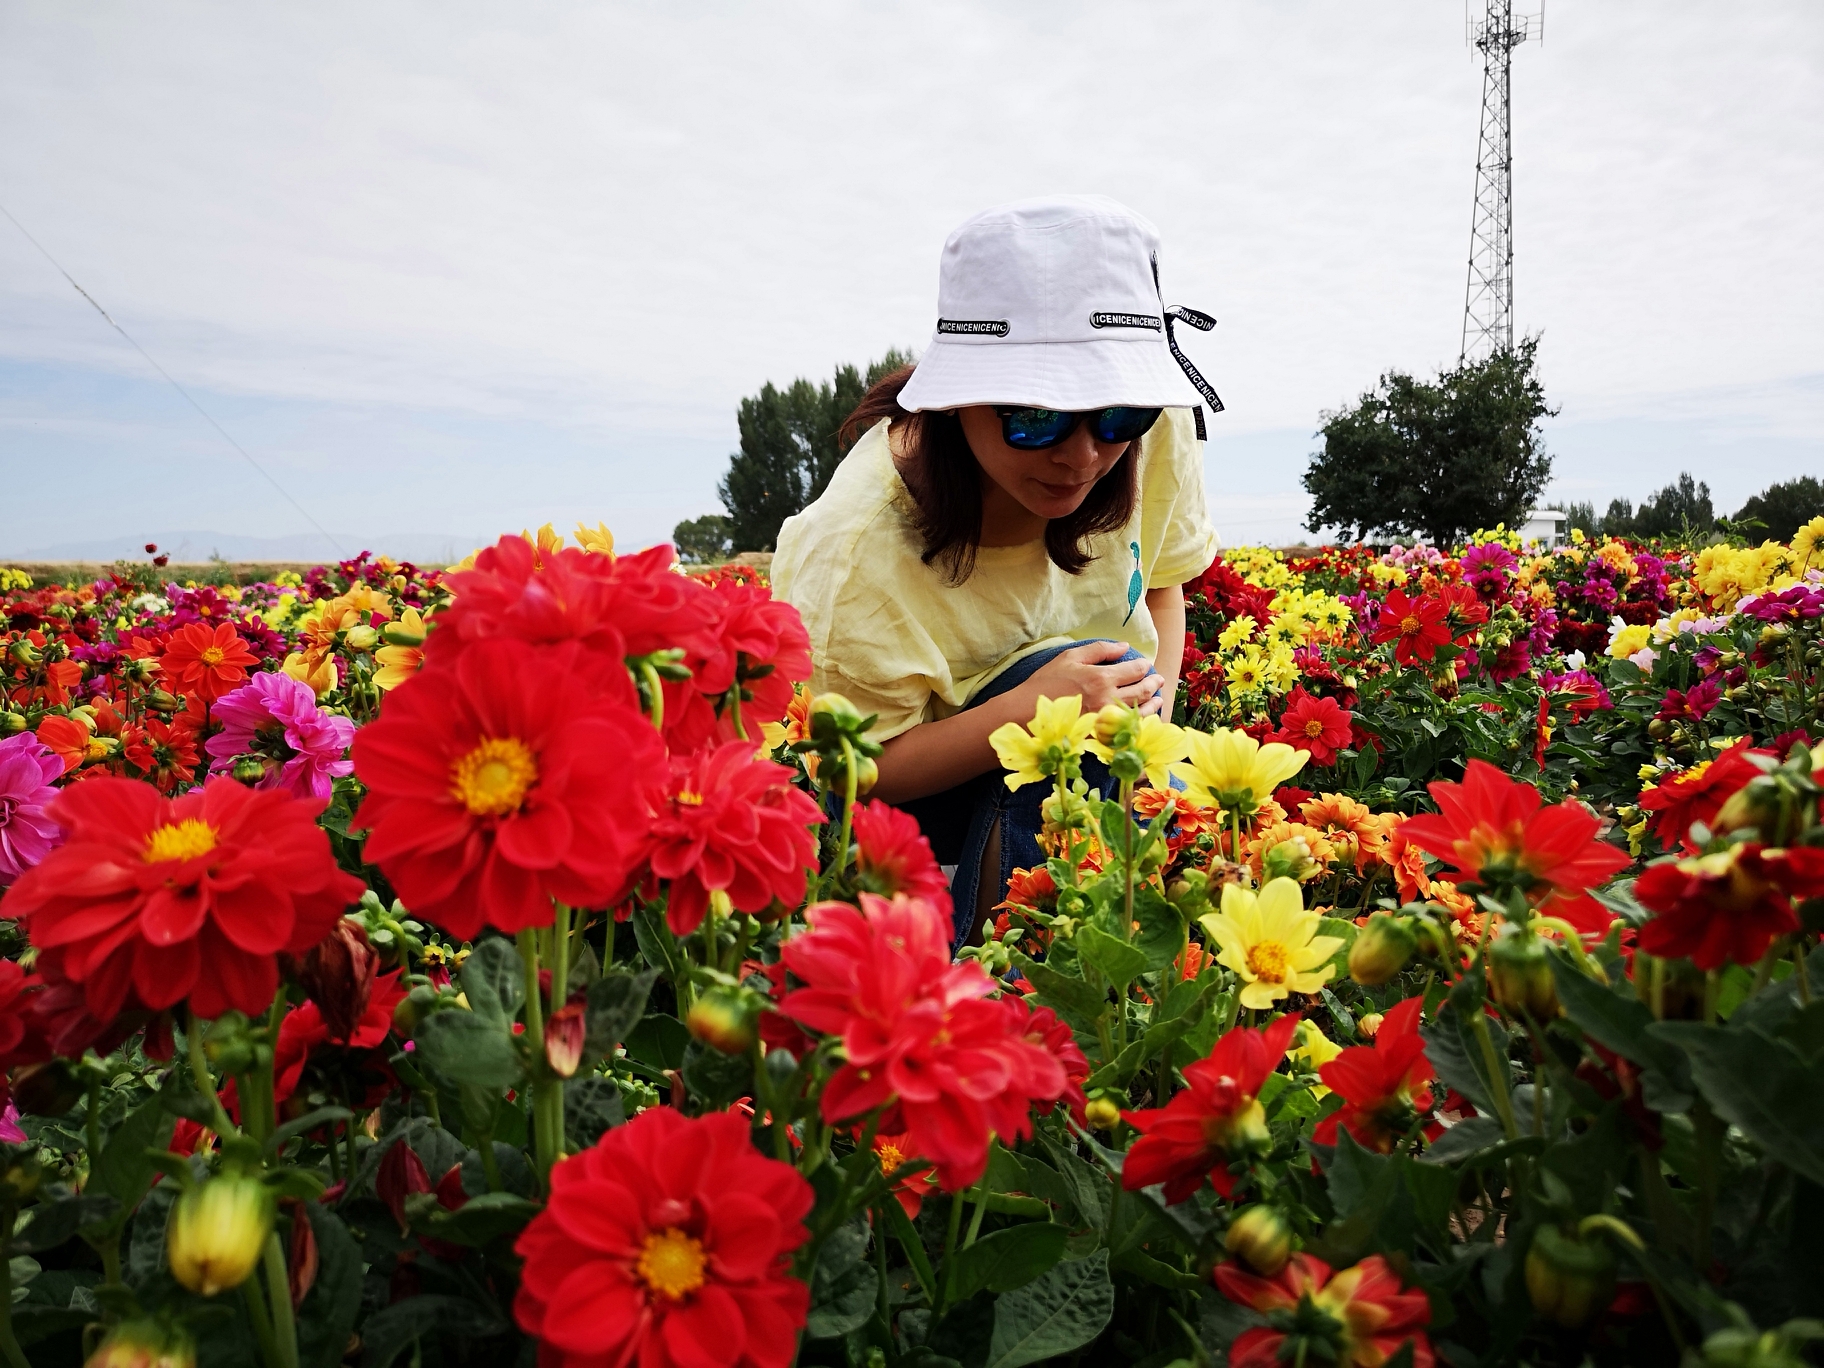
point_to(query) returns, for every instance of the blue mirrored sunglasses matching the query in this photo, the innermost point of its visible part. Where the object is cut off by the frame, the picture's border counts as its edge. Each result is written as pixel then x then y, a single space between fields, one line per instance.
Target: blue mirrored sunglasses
pixel 1035 429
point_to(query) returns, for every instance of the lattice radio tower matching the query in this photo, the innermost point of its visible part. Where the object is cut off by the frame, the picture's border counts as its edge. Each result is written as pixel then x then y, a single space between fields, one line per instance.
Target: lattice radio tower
pixel 1488 305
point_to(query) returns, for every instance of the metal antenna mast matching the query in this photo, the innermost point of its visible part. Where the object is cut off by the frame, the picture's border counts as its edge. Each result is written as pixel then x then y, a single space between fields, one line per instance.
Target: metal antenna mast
pixel 1488 305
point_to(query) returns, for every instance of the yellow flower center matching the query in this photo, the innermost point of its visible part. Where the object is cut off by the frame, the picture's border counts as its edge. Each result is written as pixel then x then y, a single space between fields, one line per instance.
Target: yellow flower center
pixel 672 1264
pixel 492 779
pixel 1409 624
pixel 1314 728
pixel 890 1156
pixel 690 799
pixel 183 840
pixel 210 655
pixel 1269 961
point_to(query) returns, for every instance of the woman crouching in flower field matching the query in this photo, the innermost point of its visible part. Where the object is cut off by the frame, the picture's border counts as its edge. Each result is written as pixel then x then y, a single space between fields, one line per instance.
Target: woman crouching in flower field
pixel 509 965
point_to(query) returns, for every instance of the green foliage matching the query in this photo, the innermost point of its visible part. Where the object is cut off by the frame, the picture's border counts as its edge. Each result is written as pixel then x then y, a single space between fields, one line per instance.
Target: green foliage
pixel 790 447
pixel 1440 458
pixel 1782 508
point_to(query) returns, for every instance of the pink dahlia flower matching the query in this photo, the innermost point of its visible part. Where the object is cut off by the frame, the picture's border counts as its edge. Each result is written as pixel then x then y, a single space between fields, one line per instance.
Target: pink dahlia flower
pixel 276 718
pixel 27 767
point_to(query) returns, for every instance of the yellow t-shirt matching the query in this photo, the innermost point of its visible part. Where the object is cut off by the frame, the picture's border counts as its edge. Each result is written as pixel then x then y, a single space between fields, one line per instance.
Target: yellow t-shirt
pixel 896 637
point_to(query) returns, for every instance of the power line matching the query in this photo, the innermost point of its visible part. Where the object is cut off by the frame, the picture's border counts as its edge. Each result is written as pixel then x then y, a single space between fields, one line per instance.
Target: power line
pixel 245 455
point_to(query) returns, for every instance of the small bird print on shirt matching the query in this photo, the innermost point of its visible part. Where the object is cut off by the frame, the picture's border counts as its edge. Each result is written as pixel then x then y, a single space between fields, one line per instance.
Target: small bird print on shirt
pixel 1134 584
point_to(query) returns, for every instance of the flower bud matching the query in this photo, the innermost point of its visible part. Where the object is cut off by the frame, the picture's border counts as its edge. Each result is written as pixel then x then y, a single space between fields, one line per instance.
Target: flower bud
pixel 338 975
pixel 1102 1114
pixel 163 701
pixel 1260 1237
pixel 564 1034
pixel 723 1020
pixel 1112 721
pixel 20 1176
pixel 1381 949
pixel 362 638
pixel 217 1232
pixel 1520 973
pixel 1289 860
pixel 230 1044
pixel 12 723
pixel 1569 1280
pixel 841 713
pixel 1369 1025
pixel 414 1008
pixel 144 1344
pixel 399 634
pixel 248 769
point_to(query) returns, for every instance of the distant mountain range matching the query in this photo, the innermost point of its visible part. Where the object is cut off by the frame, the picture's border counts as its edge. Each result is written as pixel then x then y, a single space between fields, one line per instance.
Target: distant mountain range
pixel 188 548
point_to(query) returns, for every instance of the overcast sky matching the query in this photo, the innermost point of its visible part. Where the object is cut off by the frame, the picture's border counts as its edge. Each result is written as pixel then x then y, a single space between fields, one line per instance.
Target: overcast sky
pixel 445 269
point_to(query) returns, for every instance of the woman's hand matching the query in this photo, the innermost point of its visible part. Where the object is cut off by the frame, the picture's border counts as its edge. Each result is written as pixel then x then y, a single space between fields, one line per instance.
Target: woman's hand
pixel 1096 672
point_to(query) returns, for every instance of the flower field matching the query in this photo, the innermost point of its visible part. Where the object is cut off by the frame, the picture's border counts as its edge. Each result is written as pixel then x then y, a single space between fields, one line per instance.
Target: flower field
pixel 506 965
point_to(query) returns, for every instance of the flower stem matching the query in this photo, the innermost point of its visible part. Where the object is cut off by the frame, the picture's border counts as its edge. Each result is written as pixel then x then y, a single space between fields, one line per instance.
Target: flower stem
pixel 655 690
pixel 1127 824
pixel 545 1125
pixel 950 1233
pixel 848 805
pixel 261 1320
pixel 205 1084
pixel 278 1287
pixel 1497 1074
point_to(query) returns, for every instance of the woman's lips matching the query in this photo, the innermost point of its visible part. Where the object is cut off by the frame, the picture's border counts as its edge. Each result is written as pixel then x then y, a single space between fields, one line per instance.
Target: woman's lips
pixel 1063 491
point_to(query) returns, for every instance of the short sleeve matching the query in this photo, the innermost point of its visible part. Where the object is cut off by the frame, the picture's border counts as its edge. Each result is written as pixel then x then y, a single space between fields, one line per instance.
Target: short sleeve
pixel 1173 515
pixel 878 657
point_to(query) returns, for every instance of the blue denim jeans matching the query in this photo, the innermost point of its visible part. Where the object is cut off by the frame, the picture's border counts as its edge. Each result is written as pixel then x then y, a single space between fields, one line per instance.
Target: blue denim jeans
pixel 959 820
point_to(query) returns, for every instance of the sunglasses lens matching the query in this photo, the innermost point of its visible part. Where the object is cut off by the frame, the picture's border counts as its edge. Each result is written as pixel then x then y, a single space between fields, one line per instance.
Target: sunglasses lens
pixel 1122 424
pixel 1032 429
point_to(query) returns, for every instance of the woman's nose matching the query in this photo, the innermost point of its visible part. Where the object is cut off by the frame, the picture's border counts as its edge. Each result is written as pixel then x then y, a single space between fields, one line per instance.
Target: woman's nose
pixel 1079 451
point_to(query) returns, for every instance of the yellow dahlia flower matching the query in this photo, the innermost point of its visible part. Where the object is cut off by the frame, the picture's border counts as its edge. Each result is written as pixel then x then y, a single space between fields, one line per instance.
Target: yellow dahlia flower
pixel 1230 769
pixel 1271 942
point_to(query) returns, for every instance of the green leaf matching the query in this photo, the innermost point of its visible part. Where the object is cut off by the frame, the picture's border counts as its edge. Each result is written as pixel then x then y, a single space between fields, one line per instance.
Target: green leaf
pixel 1009 1258
pixel 1344 931
pixel 468 1047
pixel 1026 1173
pixel 1071 996
pixel 1162 932
pixel 591 1106
pixel 479 1221
pixel 715 1077
pixel 1063 1310
pixel 322 1116
pixel 845 1288
pixel 1119 962
pixel 657 943
pixel 658 1041
pixel 1452 1047
pixel 494 980
pixel 1619 1021
pixel 327 1316
pixel 52 1222
pixel 614 1007
pixel 1760 1083
pixel 1089 1187
pixel 389 1332
pixel 126 1169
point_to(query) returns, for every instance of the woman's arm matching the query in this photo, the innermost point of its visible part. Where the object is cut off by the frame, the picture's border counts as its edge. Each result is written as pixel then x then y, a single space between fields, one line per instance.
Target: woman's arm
pixel 1167 607
pixel 934 756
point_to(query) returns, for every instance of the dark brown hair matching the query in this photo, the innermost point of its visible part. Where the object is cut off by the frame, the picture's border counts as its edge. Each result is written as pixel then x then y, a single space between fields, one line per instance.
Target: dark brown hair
pixel 946 484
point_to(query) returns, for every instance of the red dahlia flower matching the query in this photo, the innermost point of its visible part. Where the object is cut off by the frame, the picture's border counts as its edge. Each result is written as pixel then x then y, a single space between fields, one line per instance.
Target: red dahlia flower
pixel 1416 625
pixel 206 661
pixel 733 824
pixel 1215 1121
pixel 1382 1085
pixel 504 780
pixel 1044 1028
pixel 1316 725
pixel 1729 906
pixel 160 900
pixel 893 856
pixel 747 639
pixel 667 1245
pixel 1357 1319
pixel 951 1069
pixel 1492 829
pixel 1698 794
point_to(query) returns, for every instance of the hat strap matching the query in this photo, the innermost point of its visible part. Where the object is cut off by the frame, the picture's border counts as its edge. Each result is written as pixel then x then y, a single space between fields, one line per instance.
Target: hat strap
pixel 1203 323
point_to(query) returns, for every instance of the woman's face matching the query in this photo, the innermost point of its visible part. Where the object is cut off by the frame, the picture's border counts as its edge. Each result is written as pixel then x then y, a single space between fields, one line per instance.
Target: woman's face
pixel 1048 484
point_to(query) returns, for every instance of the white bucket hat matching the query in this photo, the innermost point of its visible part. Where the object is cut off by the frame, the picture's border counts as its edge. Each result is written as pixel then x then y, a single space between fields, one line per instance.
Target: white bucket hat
pixel 1055 303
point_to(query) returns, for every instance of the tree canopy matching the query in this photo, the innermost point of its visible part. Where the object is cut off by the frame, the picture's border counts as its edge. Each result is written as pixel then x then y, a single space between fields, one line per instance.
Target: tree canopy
pixel 789 450
pixel 1439 458
pixel 1783 508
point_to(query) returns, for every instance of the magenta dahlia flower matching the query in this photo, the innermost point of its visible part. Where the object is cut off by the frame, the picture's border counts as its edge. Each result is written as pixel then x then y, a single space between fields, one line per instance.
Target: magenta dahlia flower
pixel 27 767
pixel 276 718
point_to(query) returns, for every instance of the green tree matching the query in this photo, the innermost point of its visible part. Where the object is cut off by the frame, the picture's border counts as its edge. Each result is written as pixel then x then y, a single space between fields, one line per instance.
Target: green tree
pixel 1681 509
pixel 1440 458
pixel 1619 520
pixel 1782 509
pixel 789 450
pixel 1580 516
pixel 704 540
